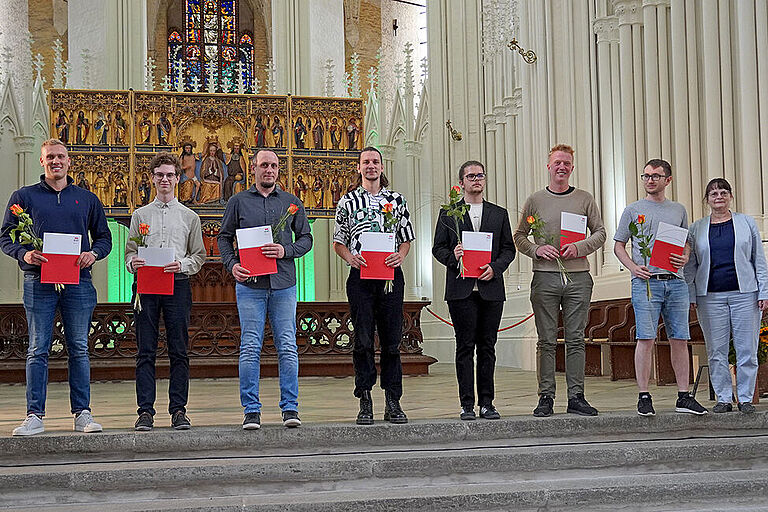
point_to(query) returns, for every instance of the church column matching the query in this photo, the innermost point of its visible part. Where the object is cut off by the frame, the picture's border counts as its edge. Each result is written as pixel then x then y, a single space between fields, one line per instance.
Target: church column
pixel 630 66
pixel 612 172
pixel 710 57
pixel 114 32
pixel 761 13
pixel 305 34
pixel 28 167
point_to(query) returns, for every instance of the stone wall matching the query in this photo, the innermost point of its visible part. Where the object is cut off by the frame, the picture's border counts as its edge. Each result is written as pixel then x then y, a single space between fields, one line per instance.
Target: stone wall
pixel 48 22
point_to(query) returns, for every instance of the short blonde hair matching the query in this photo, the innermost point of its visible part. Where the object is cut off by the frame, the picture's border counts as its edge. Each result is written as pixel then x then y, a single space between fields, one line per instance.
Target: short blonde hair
pixel 562 147
pixel 51 142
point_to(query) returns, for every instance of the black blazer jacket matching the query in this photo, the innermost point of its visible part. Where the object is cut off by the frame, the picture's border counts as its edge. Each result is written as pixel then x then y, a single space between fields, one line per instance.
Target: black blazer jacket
pixel 495 219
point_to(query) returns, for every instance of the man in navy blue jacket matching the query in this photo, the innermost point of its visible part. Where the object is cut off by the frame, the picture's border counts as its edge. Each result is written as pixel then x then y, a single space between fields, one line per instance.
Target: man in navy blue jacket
pixel 57 205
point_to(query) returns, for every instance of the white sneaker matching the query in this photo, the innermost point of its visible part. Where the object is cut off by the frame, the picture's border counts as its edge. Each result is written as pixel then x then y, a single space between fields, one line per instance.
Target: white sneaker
pixel 32 425
pixel 84 422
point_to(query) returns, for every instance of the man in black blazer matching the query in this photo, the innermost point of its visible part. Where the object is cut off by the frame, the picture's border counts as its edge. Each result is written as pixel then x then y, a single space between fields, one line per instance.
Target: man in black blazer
pixel 475 304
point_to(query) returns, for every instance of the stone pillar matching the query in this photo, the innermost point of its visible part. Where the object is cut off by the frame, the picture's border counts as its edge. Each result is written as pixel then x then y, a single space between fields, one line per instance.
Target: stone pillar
pixel 305 34
pixel 14 33
pixel 115 34
pixel 27 160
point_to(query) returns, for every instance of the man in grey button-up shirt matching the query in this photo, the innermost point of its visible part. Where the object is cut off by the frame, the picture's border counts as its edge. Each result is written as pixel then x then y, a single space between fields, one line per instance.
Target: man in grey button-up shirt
pixel 271 295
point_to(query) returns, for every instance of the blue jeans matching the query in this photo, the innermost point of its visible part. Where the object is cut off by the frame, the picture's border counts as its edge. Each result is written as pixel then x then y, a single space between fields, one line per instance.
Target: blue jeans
pixel 669 298
pixel 76 303
pixel 722 314
pixel 253 306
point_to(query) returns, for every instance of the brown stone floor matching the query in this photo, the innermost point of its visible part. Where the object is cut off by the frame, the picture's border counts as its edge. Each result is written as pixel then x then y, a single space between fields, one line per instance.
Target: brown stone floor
pixel 323 399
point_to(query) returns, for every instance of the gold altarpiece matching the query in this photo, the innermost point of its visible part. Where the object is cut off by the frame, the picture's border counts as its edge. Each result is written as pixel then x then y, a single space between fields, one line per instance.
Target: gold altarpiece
pixel 112 135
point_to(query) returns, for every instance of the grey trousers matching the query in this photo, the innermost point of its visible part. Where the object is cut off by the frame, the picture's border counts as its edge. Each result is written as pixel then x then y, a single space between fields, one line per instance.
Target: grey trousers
pixel 548 296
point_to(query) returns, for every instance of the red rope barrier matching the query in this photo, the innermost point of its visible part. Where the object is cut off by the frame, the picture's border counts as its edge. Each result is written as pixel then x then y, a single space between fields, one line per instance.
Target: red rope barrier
pixel 500 330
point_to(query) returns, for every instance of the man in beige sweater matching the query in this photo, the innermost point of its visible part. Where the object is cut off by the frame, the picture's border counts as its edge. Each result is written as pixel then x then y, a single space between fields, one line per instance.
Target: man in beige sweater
pixel 552 288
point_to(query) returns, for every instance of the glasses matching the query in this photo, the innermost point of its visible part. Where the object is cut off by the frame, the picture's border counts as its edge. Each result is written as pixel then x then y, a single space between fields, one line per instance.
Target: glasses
pixel 653 177
pixel 719 193
pixel 162 176
pixel 474 177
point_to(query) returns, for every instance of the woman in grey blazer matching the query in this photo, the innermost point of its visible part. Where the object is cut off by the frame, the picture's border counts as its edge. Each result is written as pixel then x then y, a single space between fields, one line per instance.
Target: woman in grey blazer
pixel 728 283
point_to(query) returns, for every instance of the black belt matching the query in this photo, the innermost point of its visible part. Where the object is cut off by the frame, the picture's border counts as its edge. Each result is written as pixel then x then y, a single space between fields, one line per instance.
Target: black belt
pixel 664 277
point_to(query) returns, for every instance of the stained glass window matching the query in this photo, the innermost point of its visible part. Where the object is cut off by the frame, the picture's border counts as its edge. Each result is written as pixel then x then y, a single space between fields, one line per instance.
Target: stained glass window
pixel 211 36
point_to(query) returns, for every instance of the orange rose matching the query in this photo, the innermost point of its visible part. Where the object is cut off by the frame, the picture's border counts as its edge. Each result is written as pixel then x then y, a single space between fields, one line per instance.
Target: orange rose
pixel 641 219
pixel 16 210
pixel 143 229
pixel 456 189
pixel 387 208
pixel 531 219
pixel 293 209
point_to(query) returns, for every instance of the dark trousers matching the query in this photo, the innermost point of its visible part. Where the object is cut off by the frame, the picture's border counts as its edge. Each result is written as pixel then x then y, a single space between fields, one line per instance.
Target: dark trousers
pixel 175 310
pixel 475 322
pixel 373 310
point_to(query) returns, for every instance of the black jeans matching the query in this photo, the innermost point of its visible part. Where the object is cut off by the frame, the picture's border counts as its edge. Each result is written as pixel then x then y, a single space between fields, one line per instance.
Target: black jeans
pixel 175 310
pixel 372 309
pixel 475 322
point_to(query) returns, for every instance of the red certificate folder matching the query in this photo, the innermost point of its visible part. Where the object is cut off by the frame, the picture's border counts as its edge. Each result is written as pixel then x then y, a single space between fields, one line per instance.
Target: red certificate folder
pixel 62 251
pixel 249 244
pixel 477 252
pixel 669 240
pixel 152 278
pixel 573 228
pixel 375 249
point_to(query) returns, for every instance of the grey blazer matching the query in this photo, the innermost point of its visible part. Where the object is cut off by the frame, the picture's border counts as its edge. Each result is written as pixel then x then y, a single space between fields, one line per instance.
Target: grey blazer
pixel 748 256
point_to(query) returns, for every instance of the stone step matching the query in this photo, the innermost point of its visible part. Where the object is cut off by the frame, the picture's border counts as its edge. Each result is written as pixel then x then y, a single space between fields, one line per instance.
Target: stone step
pixel 311 436
pixel 354 470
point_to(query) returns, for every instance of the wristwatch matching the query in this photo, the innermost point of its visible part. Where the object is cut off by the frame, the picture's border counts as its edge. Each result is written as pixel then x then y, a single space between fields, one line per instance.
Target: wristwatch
pixel 95 254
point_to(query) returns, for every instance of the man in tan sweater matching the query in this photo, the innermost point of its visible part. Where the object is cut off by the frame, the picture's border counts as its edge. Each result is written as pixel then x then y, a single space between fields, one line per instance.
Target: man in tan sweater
pixel 553 288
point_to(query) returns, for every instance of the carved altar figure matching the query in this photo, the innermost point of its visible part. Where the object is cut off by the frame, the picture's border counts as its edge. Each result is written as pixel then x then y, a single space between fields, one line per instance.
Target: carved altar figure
pixel 260 132
pixel 188 184
pixel 120 127
pixel 317 133
pixel 335 130
pixel 121 190
pixel 336 190
pixel 211 173
pixel 62 127
pixel 163 129
pixel 82 181
pixel 299 133
pixel 102 129
pixel 145 129
pixel 101 188
pixel 237 165
pixel 317 192
pixel 145 189
pixel 300 189
pixel 82 126
pixel 277 133
pixel 352 132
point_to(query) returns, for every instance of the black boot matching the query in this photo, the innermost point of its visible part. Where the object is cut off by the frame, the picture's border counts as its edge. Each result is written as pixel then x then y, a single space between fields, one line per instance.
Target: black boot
pixel 392 411
pixel 365 416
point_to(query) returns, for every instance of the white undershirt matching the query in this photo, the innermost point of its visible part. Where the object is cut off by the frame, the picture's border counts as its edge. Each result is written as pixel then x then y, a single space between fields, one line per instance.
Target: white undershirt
pixel 475 215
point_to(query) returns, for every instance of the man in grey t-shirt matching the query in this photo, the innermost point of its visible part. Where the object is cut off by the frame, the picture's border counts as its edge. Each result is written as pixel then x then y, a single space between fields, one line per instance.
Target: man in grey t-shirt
pixel 668 290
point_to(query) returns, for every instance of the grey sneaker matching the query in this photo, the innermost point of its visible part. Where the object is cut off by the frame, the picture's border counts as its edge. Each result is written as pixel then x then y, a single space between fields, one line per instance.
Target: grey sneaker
pixel 84 422
pixel 144 423
pixel 33 424
pixel 746 408
pixel 180 421
pixel 721 407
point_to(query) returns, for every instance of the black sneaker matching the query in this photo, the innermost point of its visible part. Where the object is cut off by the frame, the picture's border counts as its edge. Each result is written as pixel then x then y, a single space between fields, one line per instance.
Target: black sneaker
pixel 180 421
pixel 467 413
pixel 252 421
pixel 746 408
pixel 688 404
pixel 144 423
pixel 544 409
pixel 291 419
pixel 645 406
pixel 721 407
pixel 489 412
pixel 579 405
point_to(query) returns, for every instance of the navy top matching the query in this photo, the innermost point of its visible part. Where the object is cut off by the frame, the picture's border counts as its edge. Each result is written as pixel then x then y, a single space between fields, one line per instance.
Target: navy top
pixel 722 269
pixel 70 210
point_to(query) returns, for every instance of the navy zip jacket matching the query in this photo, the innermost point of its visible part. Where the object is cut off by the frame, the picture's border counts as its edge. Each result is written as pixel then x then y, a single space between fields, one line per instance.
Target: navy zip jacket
pixel 72 210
